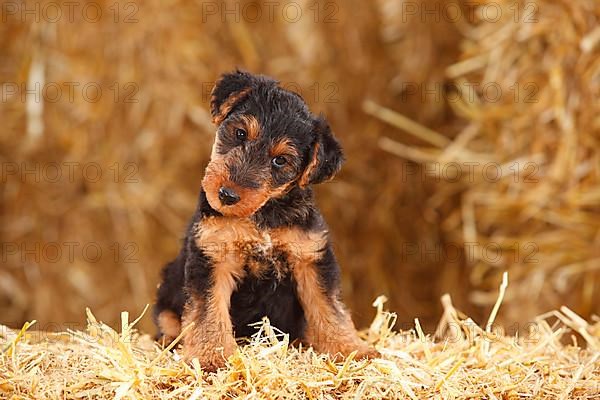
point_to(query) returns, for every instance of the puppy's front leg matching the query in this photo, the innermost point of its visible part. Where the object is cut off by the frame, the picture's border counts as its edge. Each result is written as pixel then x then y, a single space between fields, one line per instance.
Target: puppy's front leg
pixel 211 338
pixel 316 273
pixel 210 287
pixel 329 326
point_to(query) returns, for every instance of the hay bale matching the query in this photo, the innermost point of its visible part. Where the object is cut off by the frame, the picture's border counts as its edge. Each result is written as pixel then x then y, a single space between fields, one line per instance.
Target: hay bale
pixel 528 154
pixel 152 151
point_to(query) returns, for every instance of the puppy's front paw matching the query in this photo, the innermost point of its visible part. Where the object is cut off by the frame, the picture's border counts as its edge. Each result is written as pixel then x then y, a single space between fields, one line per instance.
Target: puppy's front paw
pixel 211 358
pixel 367 352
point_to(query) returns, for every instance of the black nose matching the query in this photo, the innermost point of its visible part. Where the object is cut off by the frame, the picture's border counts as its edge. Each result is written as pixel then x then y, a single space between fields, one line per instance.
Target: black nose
pixel 228 196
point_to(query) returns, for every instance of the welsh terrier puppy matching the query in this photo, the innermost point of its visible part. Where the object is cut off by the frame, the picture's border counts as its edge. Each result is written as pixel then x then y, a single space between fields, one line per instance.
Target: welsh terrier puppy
pixel 257 245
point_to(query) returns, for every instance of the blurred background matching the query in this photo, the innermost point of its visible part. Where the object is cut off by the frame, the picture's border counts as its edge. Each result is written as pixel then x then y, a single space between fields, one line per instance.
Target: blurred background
pixel 471 130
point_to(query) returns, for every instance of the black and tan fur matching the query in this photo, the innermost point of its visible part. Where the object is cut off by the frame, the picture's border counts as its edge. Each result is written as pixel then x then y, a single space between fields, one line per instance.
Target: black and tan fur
pixel 269 254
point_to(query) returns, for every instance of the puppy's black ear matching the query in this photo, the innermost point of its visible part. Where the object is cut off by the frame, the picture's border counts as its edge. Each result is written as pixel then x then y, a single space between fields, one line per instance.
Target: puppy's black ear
pixel 229 90
pixel 325 158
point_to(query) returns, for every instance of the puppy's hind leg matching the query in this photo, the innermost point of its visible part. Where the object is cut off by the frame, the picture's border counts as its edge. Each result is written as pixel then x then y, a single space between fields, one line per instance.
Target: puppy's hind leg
pixel 169 302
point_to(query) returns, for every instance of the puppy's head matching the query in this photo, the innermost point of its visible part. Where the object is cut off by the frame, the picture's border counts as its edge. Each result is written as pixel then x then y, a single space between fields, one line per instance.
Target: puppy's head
pixel 267 142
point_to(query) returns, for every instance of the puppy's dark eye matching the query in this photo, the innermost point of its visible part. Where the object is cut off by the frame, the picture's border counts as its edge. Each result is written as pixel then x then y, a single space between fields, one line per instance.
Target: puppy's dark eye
pixel 279 161
pixel 240 134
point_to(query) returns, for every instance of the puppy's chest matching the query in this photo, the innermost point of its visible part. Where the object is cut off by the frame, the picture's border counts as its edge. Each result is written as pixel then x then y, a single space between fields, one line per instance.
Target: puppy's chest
pixel 238 244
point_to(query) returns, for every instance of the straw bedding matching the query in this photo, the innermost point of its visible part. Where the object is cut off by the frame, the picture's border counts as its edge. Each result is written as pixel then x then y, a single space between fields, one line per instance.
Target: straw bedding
pixel 462 361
